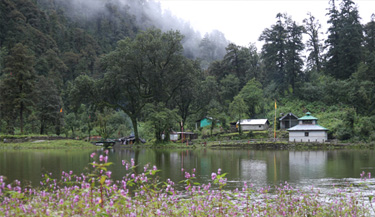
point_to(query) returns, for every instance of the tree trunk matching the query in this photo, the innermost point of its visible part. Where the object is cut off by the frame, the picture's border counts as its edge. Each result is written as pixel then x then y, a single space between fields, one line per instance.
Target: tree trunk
pixel 167 137
pixel 21 117
pixel 158 135
pixel 89 129
pixel 135 128
pixel 42 128
pixel 239 126
pixel 74 135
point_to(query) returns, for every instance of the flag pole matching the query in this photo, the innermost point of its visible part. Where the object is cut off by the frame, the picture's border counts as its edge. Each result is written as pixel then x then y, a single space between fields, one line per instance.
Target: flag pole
pixel 274 130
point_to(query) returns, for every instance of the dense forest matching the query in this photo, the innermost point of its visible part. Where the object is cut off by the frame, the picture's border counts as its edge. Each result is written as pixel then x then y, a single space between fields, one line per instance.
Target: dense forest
pixel 112 68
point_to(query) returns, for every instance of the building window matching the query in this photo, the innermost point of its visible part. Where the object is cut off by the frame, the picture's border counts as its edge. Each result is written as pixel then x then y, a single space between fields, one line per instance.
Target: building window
pixel 306 134
pixel 260 126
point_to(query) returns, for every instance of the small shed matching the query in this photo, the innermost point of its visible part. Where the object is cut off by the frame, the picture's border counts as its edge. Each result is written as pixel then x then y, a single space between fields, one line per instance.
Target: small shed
pixel 287 121
pixel 233 127
pixel 206 121
pixel 254 124
pixel 174 136
pixel 308 130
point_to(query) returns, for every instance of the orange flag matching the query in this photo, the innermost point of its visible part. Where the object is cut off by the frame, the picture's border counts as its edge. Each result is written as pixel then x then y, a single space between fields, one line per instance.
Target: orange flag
pixel 275 104
pixel 60 110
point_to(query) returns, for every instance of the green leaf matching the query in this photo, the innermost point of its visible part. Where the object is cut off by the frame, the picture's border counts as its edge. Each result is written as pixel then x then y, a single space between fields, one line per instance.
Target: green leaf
pixel 102 179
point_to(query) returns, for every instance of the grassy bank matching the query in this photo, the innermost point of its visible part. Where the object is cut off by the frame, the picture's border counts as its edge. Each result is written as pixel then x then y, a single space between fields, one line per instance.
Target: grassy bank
pixel 49 144
pixel 285 145
pixel 253 144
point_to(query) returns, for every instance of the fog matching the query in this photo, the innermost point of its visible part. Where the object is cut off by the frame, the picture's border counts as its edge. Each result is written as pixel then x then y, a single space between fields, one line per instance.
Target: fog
pixel 144 14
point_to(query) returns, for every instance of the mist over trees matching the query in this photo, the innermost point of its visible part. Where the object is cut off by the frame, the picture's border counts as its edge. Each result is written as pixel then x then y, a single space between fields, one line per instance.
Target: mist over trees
pixel 116 67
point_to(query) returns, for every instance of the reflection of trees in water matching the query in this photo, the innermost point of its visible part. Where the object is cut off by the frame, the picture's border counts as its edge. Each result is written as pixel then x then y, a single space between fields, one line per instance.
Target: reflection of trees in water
pixel 263 167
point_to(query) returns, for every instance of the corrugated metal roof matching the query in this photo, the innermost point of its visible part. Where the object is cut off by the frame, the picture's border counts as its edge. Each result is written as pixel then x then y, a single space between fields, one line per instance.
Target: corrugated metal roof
pixel 253 121
pixel 307 127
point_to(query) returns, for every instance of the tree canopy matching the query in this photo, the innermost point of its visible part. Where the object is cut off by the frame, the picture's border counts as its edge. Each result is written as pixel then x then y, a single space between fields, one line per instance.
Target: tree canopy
pixel 113 68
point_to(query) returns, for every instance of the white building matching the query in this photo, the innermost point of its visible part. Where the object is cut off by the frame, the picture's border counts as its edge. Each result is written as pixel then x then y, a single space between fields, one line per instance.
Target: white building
pixel 308 130
pixel 254 124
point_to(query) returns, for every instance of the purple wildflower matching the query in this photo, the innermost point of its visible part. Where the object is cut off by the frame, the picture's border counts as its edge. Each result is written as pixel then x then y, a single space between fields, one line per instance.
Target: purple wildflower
pixel 213 176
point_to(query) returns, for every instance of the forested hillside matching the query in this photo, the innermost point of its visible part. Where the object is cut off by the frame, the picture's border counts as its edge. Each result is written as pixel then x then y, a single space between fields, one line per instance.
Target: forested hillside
pixel 112 67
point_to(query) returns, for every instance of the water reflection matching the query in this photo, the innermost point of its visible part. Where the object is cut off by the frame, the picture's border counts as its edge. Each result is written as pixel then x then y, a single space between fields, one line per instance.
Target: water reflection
pixel 260 167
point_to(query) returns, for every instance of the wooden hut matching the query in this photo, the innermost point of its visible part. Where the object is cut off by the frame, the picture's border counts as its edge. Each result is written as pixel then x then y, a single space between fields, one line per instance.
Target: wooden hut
pixel 287 121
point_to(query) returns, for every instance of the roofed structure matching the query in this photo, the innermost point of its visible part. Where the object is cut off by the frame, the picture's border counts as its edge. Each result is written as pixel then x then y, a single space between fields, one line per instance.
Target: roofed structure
pixel 308 130
pixel 287 121
pixel 254 124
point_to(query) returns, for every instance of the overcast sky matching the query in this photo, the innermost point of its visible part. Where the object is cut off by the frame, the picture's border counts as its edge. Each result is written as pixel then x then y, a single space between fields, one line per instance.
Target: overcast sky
pixel 242 21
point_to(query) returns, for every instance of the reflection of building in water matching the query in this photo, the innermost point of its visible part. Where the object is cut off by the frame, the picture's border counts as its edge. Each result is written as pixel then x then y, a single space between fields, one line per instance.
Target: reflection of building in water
pixel 310 165
pixel 254 170
pixel 260 167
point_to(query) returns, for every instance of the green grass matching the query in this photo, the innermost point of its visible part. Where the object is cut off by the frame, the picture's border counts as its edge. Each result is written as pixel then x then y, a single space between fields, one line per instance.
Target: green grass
pixel 49 144
pixel 246 135
pixel 7 136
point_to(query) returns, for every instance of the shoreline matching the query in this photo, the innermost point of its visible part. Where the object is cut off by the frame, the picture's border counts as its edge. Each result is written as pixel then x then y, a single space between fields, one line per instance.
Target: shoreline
pixel 41 142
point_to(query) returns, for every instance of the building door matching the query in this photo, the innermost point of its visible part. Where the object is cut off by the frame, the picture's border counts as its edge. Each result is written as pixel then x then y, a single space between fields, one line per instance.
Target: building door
pixel 287 124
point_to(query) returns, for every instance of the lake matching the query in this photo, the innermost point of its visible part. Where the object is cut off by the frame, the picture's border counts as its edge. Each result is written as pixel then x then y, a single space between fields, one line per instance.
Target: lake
pixel 322 169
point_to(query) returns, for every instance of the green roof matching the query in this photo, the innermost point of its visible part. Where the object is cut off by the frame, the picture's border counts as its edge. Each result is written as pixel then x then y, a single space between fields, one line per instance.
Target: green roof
pixel 308 117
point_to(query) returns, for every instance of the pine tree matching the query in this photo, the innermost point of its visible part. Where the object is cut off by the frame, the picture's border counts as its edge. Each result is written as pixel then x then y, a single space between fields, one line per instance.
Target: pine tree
pixel 314 45
pixel 273 51
pixel 344 40
pixel 294 47
pixel 48 104
pixel 369 30
pixel 281 52
pixel 19 81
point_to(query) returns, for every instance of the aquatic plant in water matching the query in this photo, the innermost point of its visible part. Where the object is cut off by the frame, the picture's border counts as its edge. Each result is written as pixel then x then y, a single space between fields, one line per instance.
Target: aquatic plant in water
pixel 143 194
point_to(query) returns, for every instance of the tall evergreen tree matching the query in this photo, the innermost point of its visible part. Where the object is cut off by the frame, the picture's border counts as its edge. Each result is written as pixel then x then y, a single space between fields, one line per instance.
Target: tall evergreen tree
pixel 294 47
pixel 344 40
pixel 273 51
pixel 19 81
pixel 314 45
pixel 48 104
pixel 369 30
pixel 281 52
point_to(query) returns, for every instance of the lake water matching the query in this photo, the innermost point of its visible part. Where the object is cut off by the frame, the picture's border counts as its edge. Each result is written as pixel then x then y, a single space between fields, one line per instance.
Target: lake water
pixel 302 169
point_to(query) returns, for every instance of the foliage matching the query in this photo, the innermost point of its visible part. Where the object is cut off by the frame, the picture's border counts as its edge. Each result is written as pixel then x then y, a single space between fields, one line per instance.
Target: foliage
pixel 252 95
pixel 237 109
pixel 314 44
pixel 48 105
pixel 281 53
pixel 344 40
pixel 84 57
pixel 162 119
pixel 18 84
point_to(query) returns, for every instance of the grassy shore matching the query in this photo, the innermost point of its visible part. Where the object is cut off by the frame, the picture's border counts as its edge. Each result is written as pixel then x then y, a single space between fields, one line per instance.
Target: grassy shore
pixel 251 144
pixel 49 144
